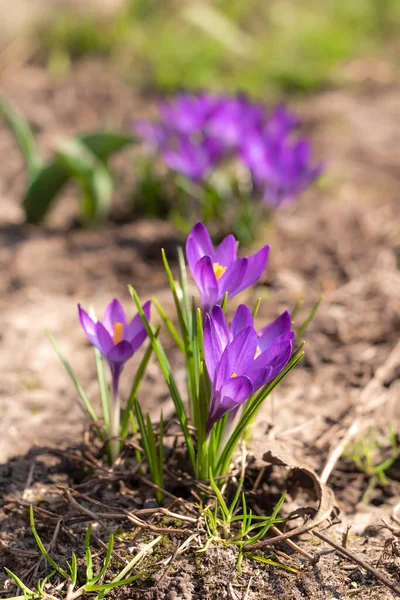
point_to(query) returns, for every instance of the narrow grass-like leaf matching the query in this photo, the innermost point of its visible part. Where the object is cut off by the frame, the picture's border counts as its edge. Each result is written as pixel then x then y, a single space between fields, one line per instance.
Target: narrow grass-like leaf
pixel 119 579
pixel 303 327
pixel 225 302
pixel 169 378
pixel 296 308
pixel 222 504
pixel 104 391
pixel 106 561
pixel 272 563
pixel 175 295
pixel 169 325
pixel 135 386
pixel 236 498
pixel 269 521
pixel 28 593
pixel 85 400
pixel 41 584
pixel 23 134
pixel 135 430
pixel 106 587
pixel 74 569
pixel 257 308
pixel 88 554
pixel 41 546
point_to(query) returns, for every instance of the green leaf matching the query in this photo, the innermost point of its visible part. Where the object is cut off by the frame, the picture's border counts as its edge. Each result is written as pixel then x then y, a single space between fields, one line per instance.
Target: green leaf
pixel 41 546
pixel 85 400
pixel 27 592
pixel 109 586
pixel 44 187
pixel 303 327
pixel 106 561
pixel 88 553
pixel 169 325
pixel 103 143
pixel 104 391
pixel 24 136
pixel 135 386
pixel 169 378
pixel 49 180
pixel 84 166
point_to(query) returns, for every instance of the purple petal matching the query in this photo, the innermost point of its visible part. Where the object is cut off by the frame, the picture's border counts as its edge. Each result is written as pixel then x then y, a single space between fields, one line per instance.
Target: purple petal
pixel 198 244
pixel 120 353
pixel 237 357
pixel 234 392
pixel 114 314
pixel 259 377
pixel 233 277
pixel 254 267
pixel 104 338
pixel 215 339
pixel 136 325
pixel 242 350
pixel 206 281
pixel 271 332
pixel 241 319
pixel 89 326
pixel 220 325
pixel 277 357
pixel 226 252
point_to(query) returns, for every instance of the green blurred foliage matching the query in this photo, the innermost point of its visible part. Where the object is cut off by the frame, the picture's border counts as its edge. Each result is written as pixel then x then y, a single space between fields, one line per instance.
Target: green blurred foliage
pixel 257 46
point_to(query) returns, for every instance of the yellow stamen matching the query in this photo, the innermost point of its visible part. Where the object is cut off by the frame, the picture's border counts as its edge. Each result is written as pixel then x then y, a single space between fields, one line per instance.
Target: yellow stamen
pixel 118 332
pixel 233 375
pixel 219 270
pixel 258 352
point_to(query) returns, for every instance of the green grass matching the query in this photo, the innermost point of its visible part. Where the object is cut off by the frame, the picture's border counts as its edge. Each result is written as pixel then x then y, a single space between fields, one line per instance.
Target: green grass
pixel 262 47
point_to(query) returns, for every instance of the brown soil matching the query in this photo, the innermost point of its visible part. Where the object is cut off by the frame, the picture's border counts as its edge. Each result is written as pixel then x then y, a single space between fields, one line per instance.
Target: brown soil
pixel 340 240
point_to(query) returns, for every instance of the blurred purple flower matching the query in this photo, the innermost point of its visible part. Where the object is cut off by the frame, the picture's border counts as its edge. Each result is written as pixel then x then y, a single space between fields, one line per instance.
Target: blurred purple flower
pixel 219 271
pixel 280 166
pixel 116 339
pixel 232 117
pixel 154 134
pixel 191 159
pixel 239 360
pixel 188 113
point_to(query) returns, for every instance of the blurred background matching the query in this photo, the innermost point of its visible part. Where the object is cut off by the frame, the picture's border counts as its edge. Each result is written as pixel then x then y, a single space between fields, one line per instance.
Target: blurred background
pixel 264 48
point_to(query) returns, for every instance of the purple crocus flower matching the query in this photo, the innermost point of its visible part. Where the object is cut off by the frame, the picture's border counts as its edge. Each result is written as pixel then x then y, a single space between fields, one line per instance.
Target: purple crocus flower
pixel 219 271
pixel 114 337
pixel 239 360
pixel 154 135
pixel 191 159
pixel 188 113
pixel 280 166
pixel 232 118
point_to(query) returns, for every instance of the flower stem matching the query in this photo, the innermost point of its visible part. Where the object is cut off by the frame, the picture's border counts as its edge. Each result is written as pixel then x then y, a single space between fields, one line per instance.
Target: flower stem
pixel 115 415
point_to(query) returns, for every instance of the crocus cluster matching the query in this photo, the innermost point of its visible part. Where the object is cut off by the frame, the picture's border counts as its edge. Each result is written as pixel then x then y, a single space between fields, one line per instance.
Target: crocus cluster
pixel 197 132
pixel 240 360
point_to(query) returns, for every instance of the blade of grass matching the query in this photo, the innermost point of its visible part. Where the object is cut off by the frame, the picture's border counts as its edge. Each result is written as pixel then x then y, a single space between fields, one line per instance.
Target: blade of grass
pixel 41 546
pixel 85 400
pixel 167 372
pixel 135 386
